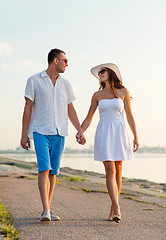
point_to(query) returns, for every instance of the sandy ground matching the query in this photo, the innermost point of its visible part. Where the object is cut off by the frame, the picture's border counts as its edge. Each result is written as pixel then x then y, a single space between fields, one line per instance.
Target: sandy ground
pixel 83 214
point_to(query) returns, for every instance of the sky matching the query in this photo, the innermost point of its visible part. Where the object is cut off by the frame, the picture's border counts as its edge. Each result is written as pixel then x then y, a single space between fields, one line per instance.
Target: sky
pixel 129 33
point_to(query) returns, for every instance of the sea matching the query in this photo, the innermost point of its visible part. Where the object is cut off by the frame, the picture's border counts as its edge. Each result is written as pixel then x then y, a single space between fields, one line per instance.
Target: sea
pixel 145 166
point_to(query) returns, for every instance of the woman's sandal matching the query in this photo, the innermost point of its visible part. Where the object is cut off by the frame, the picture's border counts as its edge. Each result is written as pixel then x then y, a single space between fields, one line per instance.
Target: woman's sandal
pixel 110 219
pixel 117 218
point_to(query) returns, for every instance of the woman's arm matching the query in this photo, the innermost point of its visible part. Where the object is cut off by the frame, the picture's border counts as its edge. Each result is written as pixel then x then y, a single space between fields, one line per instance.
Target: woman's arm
pixel 130 119
pixel 86 123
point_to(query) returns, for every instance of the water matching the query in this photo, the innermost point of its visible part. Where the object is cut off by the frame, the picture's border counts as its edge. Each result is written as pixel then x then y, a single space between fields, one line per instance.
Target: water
pixel 145 166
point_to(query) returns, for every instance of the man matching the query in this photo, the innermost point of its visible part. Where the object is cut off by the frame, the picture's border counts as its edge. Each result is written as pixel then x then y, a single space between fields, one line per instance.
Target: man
pixel 48 105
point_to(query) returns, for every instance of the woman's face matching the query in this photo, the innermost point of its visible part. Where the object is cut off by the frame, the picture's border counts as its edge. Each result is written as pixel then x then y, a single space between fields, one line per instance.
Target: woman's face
pixel 103 75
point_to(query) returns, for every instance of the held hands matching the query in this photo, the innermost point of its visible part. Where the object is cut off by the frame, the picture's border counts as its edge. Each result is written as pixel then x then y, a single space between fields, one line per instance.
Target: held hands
pixel 135 145
pixel 25 142
pixel 80 138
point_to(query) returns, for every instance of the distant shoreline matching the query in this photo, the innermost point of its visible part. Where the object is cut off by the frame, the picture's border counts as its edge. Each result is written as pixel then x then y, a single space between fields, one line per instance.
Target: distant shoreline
pixel 143 150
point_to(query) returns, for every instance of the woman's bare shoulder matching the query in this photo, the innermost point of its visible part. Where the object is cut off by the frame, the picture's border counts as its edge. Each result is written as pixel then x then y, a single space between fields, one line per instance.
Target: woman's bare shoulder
pixel 124 92
pixel 96 95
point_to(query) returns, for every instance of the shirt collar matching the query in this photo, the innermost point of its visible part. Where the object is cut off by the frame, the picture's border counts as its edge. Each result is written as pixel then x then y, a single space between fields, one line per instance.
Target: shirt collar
pixel 44 74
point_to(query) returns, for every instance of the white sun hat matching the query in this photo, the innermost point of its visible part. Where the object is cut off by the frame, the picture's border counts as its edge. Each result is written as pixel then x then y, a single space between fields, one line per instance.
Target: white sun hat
pixel 111 66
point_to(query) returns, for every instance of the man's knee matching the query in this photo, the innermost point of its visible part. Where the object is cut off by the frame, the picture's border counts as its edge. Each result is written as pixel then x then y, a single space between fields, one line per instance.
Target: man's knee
pixel 44 173
pixel 52 176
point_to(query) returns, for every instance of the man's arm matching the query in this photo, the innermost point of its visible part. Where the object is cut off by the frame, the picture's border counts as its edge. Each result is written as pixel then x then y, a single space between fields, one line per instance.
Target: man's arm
pixel 74 120
pixel 25 142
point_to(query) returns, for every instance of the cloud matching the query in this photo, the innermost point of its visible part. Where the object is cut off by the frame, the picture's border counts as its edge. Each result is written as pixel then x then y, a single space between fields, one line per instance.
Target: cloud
pixel 21 65
pixel 5 48
pixel 96 47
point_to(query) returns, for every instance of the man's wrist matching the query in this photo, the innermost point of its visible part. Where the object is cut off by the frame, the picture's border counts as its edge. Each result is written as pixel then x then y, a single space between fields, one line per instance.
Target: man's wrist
pixel 80 131
pixel 24 134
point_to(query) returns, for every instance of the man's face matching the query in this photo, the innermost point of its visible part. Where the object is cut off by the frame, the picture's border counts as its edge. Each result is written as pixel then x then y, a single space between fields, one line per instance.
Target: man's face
pixel 62 63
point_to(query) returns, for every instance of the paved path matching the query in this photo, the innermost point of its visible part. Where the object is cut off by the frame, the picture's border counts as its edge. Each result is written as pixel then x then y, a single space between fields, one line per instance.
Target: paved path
pixel 82 214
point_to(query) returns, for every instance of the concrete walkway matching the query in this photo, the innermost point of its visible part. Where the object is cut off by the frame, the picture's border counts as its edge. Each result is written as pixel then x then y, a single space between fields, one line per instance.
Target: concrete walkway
pixel 82 214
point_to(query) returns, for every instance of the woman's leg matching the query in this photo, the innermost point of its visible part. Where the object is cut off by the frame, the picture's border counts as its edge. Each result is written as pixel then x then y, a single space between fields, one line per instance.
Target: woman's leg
pixel 110 170
pixel 118 166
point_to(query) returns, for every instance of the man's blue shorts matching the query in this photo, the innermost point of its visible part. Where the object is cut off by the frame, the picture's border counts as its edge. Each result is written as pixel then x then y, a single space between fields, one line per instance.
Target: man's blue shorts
pixel 49 150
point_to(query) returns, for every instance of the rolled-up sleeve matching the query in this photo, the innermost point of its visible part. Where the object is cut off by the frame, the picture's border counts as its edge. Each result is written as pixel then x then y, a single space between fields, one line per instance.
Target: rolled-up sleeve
pixel 30 90
pixel 71 96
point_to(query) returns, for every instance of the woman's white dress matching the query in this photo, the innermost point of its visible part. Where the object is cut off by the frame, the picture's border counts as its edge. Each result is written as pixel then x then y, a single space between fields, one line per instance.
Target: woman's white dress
pixel 112 142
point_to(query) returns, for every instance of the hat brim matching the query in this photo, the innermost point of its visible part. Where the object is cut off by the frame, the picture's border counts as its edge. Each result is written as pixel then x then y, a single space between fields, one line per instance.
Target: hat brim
pixel 111 66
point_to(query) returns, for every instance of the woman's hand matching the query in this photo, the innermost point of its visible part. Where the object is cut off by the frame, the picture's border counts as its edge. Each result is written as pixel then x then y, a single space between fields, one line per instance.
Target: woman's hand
pixel 80 138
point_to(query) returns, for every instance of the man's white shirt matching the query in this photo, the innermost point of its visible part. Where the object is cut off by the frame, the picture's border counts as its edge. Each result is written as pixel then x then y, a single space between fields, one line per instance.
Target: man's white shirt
pixel 50 108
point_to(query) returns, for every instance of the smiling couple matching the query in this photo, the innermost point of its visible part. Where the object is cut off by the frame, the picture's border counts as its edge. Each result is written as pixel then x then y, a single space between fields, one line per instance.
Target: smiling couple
pixel 48 105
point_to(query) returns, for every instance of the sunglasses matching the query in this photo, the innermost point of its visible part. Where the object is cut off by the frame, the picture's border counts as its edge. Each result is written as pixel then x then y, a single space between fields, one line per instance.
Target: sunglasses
pixel 102 71
pixel 65 60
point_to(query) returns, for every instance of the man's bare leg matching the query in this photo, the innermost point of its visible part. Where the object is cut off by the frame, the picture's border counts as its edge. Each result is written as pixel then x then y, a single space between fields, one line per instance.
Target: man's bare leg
pixel 44 186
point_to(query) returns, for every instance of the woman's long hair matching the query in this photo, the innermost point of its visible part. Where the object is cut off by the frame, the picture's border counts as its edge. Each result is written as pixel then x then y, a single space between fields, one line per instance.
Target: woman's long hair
pixel 114 81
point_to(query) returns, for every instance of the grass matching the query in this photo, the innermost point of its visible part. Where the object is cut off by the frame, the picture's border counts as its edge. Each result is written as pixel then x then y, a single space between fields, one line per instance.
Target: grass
pixel 138 200
pixel 94 191
pixel 64 185
pixel 147 209
pixel 6 227
pixel 28 177
pixel 162 197
pixel 83 189
pixel 123 192
pixel 32 178
pixel 142 201
pixel 86 190
pixel 75 179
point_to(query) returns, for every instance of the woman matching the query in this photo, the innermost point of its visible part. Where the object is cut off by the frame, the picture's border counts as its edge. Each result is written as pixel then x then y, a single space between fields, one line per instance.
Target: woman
pixel 112 144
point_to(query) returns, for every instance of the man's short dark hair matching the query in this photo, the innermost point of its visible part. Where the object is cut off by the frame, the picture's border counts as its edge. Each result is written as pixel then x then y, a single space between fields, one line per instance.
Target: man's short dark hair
pixel 54 53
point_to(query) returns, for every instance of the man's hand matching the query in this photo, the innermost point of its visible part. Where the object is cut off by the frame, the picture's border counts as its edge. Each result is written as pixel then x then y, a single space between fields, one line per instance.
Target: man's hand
pixel 135 145
pixel 25 142
pixel 80 138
